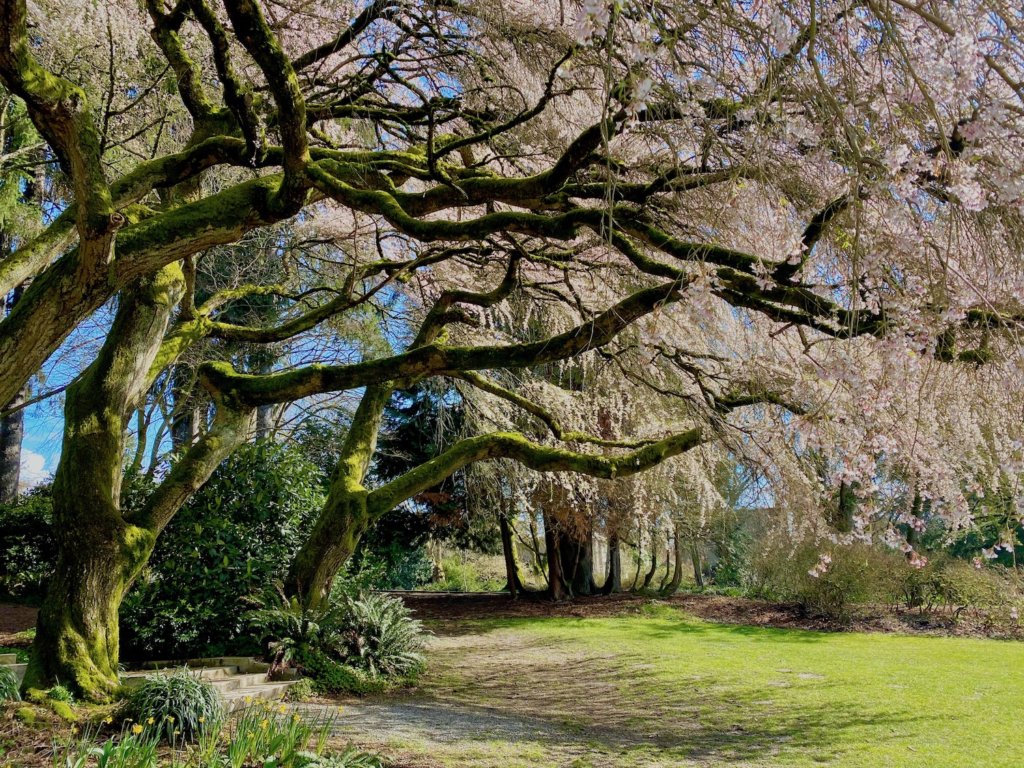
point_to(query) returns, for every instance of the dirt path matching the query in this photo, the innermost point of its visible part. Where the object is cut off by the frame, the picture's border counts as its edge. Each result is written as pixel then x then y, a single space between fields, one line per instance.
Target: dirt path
pixel 502 699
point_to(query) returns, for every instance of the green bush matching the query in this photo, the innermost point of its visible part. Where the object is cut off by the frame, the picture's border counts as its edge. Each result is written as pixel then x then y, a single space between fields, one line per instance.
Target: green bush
pixel 467 574
pixel 360 644
pixel 181 704
pixel 330 676
pixel 234 537
pixel 28 550
pixel 8 685
pixel 857 574
pixel 300 690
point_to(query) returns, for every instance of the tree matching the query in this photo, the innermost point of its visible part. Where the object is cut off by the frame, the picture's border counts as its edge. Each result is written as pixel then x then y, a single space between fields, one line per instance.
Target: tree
pixel 719 202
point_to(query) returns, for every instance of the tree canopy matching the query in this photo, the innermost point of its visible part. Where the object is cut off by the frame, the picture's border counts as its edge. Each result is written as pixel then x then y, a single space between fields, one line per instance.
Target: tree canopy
pixel 624 230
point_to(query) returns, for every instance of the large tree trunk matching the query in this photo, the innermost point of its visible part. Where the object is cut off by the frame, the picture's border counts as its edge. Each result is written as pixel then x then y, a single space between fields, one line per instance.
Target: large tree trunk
pixel 100 550
pixel 613 579
pixel 577 553
pixel 77 631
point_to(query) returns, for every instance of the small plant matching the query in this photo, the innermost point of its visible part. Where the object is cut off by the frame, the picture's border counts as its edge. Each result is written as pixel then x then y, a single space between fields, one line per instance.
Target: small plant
pixel 60 693
pixel 180 704
pixel 8 685
pixel 300 690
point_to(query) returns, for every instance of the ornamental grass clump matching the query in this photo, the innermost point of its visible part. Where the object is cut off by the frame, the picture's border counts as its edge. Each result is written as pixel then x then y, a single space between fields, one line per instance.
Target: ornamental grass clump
pixel 8 685
pixel 181 705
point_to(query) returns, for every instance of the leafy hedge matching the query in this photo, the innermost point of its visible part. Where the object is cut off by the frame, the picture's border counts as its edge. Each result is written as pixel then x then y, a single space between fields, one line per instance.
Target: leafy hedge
pixel 234 537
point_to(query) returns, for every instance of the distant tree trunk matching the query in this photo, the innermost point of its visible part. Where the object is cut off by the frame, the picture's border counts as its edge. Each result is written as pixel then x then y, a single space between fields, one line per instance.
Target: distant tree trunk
pixel 654 561
pixel 639 554
pixel 542 563
pixel 613 580
pixel 185 416
pixel 698 567
pixel 12 433
pixel 513 580
pixel 557 588
pixel 846 508
pixel 577 554
pixel 677 571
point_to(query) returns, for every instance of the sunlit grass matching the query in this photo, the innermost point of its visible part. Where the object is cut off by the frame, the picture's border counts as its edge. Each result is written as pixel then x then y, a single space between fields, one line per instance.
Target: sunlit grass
pixel 667 689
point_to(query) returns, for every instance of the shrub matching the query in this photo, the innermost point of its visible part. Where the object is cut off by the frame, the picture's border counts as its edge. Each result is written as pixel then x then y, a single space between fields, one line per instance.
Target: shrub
pixel 358 644
pixel 219 553
pixel 858 573
pixel 8 685
pixel 28 550
pixel 331 676
pixel 300 690
pixel 181 704
pixel 378 633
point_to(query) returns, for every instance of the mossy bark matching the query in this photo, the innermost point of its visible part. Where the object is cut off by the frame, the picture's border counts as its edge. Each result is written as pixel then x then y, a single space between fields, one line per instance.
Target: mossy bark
pixel 346 514
pixel 99 552
pixel 100 548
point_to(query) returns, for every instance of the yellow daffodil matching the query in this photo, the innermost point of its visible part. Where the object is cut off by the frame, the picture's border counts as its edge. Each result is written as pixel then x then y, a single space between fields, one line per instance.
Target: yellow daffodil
pixel 150 721
pixel 137 729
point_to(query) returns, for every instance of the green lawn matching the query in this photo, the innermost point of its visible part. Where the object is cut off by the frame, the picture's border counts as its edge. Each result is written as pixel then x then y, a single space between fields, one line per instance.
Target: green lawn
pixel 665 689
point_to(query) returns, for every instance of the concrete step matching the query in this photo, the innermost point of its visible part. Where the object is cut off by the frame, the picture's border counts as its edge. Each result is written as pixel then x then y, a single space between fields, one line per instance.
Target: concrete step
pixel 8 658
pixel 244 664
pixel 240 698
pixel 212 674
pixel 239 681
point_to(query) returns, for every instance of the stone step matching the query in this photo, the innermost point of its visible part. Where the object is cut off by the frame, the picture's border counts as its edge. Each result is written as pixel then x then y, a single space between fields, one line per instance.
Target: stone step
pixel 244 664
pixel 7 659
pixel 212 674
pixel 239 681
pixel 240 698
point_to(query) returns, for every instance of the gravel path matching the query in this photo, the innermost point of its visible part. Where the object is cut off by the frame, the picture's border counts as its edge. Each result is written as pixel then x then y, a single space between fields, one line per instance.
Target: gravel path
pixel 428 721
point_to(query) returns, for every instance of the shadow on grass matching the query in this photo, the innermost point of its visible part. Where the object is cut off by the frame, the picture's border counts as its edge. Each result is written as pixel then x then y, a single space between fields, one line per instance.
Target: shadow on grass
pixel 554 692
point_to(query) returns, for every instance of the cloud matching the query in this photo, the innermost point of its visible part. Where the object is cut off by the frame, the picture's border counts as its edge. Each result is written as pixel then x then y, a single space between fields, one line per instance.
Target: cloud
pixel 33 469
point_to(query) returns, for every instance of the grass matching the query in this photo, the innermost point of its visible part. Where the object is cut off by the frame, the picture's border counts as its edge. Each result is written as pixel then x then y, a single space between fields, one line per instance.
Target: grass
pixel 666 689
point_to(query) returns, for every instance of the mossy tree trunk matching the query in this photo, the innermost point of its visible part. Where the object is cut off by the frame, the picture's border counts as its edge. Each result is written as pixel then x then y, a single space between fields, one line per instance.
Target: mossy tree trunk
pixel 346 514
pixel 101 548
